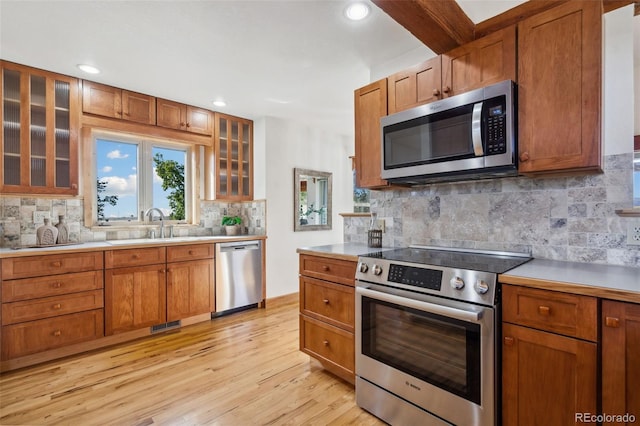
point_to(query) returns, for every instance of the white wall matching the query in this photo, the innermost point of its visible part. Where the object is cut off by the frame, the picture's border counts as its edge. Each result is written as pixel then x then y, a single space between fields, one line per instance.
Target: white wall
pixel 617 82
pixel 289 145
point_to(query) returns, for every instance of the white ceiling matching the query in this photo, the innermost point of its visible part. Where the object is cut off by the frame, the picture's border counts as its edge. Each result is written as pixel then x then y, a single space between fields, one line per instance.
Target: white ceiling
pixel 298 60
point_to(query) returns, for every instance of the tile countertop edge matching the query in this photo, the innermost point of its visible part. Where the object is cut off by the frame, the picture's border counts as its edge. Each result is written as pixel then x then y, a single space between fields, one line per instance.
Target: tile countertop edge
pixel 605 281
pixel 6 253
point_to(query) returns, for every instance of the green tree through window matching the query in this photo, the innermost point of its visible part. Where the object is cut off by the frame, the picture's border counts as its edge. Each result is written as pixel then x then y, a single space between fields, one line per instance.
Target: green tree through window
pixel 172 174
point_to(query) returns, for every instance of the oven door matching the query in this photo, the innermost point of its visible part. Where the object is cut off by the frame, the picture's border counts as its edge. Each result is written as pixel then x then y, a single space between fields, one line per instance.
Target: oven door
pixel 436 353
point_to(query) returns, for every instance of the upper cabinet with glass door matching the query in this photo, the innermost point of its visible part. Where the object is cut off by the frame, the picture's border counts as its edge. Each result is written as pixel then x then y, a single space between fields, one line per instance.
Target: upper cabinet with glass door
pixel 39 125
pixel 234 157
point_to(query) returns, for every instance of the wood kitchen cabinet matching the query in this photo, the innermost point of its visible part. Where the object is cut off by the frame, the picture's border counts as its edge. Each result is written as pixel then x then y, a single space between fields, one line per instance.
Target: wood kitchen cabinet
pixel 480 63
pixel 559 89
pixel 233 151
pixel 135 289
pixel 107 101
pixel 415 86
pixel 370 106
pixel 190 281
pixel 477 64
pixel 620 358
pixel 50 302
pixel 40 122
pixel 174 115
pixel 327 313
pixel 549 356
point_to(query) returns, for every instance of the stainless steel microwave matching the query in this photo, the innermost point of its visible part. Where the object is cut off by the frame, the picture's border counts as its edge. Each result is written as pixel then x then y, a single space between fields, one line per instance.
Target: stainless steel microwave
pixel 467 136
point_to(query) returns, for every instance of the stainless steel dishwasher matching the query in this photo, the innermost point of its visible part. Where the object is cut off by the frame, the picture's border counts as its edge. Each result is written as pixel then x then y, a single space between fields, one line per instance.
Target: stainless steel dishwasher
pixel 238 276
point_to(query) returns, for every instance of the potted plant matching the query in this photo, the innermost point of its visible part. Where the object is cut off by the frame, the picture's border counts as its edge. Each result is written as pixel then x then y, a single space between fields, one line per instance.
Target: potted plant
pixel 231 224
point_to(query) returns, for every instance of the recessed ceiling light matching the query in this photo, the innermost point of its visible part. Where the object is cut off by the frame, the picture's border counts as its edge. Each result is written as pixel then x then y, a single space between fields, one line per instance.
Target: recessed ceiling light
pixel 89 69
pixel 357 11
pixel 219 103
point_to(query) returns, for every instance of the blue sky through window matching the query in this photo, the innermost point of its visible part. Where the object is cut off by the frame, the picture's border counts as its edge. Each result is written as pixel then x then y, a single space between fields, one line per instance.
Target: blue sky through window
pixel 118 166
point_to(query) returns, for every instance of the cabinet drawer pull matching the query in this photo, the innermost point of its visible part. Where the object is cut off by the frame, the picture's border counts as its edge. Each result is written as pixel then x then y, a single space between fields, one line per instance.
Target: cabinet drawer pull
pixel 57 284
pixel 326 301
pixel 612 322
pixel 57 264
pixel 57 306
pixel 136 256
pixel 544 310
pixel 57 333
pixel 326 343
pixel 508 341
pixel 190 252
pixel 325 268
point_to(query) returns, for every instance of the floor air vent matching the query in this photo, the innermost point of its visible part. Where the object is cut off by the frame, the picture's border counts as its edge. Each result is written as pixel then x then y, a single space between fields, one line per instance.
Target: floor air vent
pixel 164 327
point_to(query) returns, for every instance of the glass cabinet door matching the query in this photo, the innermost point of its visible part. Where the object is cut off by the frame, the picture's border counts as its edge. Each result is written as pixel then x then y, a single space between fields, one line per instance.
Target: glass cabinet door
pixel 233 151
pixel 39 123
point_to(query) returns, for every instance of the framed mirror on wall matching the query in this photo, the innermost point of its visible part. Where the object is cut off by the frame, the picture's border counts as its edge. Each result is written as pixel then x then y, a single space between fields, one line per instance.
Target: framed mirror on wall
pixel 311 200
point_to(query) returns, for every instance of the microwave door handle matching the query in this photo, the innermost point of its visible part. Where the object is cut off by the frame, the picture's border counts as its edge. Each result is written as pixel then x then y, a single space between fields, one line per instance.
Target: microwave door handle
pixel 433 308
pixel 476 129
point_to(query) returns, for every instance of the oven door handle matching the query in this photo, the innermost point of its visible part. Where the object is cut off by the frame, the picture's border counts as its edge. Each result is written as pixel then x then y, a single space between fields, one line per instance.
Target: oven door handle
pixel 460 314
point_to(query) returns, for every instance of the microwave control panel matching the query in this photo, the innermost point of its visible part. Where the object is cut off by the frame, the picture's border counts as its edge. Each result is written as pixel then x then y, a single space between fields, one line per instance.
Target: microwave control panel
pixel 495 126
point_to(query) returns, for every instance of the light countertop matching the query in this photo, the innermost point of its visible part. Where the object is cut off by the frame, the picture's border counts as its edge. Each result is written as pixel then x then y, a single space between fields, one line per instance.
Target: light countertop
pixel 345 251
pixel 606 281
pixel 122 244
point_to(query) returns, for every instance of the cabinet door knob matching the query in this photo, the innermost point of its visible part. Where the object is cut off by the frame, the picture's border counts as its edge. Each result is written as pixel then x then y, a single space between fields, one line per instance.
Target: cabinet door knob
pixel 190 252
pixel 612 322
pixel 57 306
pixel 136 256
pixel 436 92
pixel 57 333
pixel 188 125
pixel 182 124
pixel 446 89
pixel 57 284
pixel 326 301
pixel 524 156
pixel 544 310
pixel 326 343
pixel 57 264
pixel 325 268
pixel 508 341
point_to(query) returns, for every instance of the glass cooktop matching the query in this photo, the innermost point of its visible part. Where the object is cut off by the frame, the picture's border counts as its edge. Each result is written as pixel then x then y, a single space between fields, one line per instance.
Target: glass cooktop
pixel 485 261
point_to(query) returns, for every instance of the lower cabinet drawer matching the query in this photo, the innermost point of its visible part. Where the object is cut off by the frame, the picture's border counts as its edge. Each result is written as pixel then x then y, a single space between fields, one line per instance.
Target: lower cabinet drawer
pixel 327 343
pixel 36 336
pixel 47 307
pixel 328 302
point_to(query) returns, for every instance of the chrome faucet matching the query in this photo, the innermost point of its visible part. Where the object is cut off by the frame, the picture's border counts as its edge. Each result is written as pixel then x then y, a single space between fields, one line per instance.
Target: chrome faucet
pixel 150 213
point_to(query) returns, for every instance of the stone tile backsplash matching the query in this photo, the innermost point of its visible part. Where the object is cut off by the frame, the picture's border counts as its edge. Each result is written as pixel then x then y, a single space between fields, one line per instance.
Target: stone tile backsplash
pixel 18 229
pixel 563 218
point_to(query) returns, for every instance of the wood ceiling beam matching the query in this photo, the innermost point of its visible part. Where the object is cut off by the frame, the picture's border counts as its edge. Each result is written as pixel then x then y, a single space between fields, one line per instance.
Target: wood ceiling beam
pixel 441 25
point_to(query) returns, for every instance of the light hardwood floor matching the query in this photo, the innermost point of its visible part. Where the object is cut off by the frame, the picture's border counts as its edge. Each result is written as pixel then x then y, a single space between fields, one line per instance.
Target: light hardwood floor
pixel 242 369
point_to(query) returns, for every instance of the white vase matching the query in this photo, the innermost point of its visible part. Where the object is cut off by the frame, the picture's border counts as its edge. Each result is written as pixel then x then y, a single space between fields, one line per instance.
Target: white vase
pixel 46 235
pixel 231 230
pixel 63 230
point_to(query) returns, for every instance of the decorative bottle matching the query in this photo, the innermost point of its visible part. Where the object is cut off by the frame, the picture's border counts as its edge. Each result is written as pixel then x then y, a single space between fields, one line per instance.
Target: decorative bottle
pixel 46 235
pixel 63 230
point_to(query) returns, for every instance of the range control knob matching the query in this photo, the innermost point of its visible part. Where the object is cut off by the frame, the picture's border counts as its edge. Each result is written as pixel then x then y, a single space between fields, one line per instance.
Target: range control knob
pixel 377 269
pixel 481 287
pixel 457 283
pixel 363 267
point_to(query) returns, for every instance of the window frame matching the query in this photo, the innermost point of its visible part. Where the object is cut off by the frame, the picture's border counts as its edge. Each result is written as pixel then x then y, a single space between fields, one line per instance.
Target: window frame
pixel 145 144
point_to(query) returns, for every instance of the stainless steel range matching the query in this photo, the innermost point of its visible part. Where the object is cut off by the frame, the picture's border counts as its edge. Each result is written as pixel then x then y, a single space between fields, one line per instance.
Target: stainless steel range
pixel 427 334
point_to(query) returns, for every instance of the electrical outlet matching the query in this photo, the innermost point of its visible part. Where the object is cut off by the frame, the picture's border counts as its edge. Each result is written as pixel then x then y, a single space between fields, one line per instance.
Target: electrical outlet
pixel 39 217
pixel 633 233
